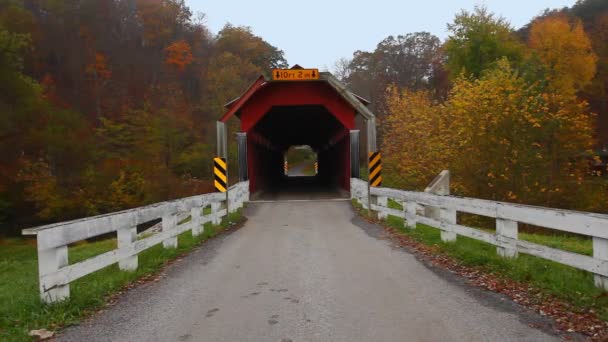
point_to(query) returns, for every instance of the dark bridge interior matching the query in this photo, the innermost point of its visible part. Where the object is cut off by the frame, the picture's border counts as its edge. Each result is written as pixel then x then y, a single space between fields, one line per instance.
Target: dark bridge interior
pixel 285 126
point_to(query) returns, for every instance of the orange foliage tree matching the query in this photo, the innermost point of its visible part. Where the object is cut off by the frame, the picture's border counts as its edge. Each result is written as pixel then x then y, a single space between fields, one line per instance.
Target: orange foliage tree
pixel 179 55
pixel 565 49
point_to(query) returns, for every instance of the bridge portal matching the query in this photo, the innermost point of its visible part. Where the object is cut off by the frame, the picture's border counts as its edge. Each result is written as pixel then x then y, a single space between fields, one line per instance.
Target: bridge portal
pixel 278 114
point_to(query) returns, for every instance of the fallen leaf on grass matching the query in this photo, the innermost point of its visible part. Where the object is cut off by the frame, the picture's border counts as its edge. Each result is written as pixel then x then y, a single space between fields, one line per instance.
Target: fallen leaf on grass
pixel 41 334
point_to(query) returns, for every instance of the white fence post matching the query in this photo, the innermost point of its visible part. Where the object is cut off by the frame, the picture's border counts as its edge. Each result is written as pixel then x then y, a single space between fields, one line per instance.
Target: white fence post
pixel 441 186
pixel 409 211
pixel 382 201
pixel 447 216
pixel 215 216
pixel 169 223
pixel 49 261
pixel 126 237
pixel 195 216
pixel 600 251
pixel 506 228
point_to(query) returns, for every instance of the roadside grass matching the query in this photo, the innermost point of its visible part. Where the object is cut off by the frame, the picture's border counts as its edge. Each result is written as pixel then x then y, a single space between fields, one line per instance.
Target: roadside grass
pixel 21 309
pixel 564 282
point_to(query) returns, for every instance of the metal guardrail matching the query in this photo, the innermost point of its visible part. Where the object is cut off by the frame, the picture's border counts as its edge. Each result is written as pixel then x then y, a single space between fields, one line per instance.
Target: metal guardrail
pixel 54 271
pixel 436 208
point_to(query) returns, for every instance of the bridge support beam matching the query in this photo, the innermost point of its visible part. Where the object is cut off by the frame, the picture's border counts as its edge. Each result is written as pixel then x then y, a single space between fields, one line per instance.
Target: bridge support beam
pixel 241 140
pixel 355 169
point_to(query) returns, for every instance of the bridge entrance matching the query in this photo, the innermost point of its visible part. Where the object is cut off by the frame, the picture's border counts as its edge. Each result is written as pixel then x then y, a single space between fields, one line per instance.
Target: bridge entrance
pixel 300 161
pixel 277 115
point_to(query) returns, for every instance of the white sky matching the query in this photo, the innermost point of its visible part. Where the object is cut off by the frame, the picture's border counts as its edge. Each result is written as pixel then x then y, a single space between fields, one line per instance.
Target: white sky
pixel 316 33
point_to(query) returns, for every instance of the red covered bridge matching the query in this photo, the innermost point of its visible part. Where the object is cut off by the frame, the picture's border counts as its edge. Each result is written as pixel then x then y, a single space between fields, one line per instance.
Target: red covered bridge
pixel 275 115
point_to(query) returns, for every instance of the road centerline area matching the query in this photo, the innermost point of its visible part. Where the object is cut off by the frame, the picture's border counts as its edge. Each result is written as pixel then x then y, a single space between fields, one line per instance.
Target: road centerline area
pixel 303 271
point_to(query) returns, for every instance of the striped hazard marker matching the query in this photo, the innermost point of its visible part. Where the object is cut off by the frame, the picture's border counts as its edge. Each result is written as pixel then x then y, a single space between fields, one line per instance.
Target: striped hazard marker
pixel 220 172
pixel 375 169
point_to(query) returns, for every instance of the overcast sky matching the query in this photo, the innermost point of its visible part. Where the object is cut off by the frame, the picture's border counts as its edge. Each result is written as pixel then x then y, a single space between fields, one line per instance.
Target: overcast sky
pixel 321 31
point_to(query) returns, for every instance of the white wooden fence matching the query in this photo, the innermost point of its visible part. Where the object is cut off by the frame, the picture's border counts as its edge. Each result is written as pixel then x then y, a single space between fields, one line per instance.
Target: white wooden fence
pixel 436 208
pixel 54 271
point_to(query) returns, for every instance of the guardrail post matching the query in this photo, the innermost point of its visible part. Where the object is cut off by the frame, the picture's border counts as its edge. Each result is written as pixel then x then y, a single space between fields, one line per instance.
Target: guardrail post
pixel 506 228
pixel 600 251
pixel 235 199
pixel 215 216
pixel 409 211
pixel 364 199
pixel 169 223
pixel 447 216
pixel 49 261
pixel 126 237
pixel 195 215
pixel 382 201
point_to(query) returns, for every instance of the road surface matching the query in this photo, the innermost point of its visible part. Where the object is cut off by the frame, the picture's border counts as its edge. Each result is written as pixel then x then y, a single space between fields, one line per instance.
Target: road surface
pixel 302 169
pixel 307 271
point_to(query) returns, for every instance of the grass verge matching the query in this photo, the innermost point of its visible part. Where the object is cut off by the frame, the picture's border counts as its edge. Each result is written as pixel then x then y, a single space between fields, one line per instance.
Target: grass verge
pixel 564 282
pixel 21 309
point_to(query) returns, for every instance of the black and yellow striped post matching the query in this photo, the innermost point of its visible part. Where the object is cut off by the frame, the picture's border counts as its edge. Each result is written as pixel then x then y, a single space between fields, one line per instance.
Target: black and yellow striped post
pixel 220 172
pixel 375 169
pixel 316 168
pixel 286 168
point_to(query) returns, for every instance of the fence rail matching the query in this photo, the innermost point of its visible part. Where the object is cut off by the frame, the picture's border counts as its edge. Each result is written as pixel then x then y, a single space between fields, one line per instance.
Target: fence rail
pixel 436 208
pixel 54 271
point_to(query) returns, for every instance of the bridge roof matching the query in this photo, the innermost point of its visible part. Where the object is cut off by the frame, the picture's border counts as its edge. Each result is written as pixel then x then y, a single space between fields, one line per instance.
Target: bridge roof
pixel 357 102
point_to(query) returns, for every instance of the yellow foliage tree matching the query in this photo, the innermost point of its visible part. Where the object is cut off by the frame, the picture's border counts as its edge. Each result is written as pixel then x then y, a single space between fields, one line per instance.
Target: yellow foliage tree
pixel 566 50
pixel 415 145
pixel 501 137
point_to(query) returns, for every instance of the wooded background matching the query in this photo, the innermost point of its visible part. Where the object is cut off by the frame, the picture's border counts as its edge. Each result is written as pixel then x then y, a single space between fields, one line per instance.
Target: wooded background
pixel 111 104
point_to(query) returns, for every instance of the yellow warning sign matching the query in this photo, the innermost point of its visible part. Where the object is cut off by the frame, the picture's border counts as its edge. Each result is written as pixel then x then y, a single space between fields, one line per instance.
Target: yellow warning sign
pixel 295 74
pixel 375 169
pixel 220 172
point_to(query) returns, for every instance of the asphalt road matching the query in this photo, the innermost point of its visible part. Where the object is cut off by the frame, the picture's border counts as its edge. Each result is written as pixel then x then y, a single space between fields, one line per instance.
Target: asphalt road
pixel 300 170
pixel 307 271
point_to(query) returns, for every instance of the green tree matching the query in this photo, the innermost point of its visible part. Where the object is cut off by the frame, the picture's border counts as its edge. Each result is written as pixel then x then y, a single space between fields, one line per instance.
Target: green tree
pixel 478 40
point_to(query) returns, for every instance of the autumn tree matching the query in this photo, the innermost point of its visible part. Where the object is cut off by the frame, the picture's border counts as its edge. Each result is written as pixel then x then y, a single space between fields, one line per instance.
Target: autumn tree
pixel 161 19
pixel 565 49
pixel 407 60
pixel 502 138
pixel 594 16
pixel 239 57
pixel 240 41
pixel 417 145
pixel 179 55
pixel 111 104
pixel 100 75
